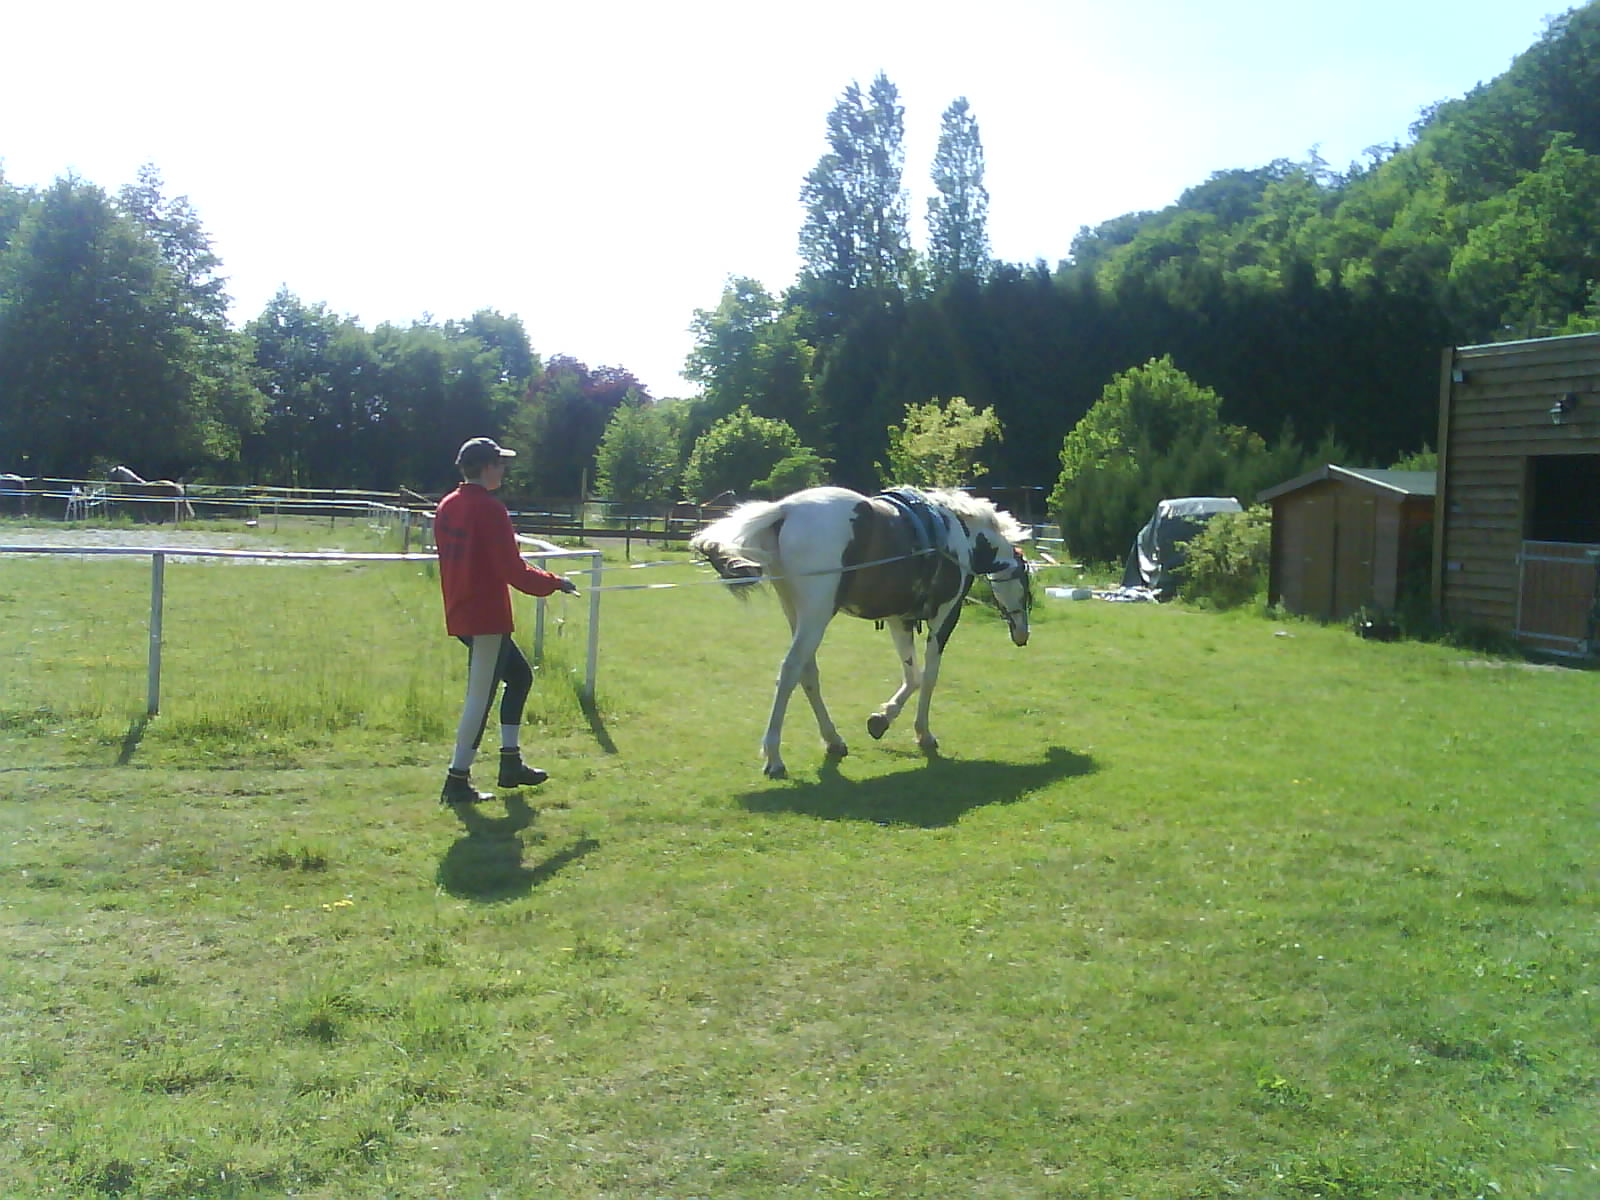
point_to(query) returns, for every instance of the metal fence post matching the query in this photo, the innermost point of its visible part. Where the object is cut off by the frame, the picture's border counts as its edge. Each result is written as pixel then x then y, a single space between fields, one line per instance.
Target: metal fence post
pixel 594 626
pixel 158 571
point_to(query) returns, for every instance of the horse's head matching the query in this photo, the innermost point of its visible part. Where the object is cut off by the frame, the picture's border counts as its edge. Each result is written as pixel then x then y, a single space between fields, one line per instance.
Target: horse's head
pixel 994 543
pixel 996 555
pixel 1012 585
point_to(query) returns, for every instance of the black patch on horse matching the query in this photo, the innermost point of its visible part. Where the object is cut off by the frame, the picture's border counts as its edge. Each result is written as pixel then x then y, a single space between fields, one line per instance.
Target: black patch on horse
pixel 983 557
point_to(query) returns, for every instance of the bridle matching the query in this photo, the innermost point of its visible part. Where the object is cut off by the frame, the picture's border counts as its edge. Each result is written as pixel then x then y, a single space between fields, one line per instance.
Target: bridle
pixel 1017 571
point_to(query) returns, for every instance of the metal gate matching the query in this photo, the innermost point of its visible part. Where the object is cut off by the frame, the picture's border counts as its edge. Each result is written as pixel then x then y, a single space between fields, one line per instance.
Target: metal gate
pixel 1557 597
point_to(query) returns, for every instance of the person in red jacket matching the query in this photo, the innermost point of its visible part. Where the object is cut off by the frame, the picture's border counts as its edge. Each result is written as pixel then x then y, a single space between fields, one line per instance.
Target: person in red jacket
pixel 478 563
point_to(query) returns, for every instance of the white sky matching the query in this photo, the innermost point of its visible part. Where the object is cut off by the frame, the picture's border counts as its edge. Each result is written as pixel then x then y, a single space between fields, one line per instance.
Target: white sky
pixel 601 167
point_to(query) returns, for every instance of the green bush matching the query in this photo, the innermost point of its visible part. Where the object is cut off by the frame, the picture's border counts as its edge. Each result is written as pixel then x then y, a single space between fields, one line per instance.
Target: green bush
pixel 746 454
pixel 1154 435
pixel 1228 560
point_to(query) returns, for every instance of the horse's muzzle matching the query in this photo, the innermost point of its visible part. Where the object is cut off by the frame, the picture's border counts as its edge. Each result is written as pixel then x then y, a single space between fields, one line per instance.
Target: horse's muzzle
pixel 1019 637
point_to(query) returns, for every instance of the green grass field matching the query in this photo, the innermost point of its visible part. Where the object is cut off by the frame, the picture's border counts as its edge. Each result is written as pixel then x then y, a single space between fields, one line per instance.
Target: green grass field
pixel 1190 906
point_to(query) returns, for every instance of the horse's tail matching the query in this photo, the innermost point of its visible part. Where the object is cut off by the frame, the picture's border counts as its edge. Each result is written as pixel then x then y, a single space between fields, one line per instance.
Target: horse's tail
pixel 742 546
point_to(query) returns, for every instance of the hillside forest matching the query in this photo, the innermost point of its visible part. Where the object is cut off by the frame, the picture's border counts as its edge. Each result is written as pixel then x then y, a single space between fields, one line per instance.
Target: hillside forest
pixel 1275 315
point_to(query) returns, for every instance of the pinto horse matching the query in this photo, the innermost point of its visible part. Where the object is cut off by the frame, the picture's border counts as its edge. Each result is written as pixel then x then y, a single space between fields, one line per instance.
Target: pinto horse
pixel 904 558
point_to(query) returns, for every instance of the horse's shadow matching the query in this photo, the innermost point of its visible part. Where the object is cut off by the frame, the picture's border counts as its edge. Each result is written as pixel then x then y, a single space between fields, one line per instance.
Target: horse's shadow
pixel 931 795
pixel 486 863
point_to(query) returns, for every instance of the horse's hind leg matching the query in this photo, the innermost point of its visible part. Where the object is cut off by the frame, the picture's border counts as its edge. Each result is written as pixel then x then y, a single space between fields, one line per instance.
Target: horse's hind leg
pixel 811 684
pixel 811 681
pixel 799 666
pixel 905 646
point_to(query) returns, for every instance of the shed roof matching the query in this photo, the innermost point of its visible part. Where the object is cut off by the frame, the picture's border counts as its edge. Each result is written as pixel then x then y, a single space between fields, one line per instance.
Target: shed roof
pixel 1402 483
pixel 1542 341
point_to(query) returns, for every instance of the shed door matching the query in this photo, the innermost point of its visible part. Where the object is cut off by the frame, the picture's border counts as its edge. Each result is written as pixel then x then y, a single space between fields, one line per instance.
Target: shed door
pixel 1306 553
pixel 1560 560
pixel 1355 532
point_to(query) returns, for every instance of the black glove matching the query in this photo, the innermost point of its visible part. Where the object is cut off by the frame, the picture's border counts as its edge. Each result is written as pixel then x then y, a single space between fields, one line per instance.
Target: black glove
pixel 569 587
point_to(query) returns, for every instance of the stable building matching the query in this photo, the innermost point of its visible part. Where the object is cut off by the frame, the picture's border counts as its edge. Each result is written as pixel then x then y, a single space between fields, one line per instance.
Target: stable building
pixel 1348 538
pixel 1517 546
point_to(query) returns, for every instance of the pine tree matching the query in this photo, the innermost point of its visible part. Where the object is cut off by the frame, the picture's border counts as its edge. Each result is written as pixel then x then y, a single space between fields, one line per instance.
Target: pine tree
pixel 958 215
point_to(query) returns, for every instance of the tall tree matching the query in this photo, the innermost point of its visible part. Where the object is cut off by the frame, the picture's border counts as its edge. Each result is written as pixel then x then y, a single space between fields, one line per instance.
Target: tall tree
pixel 958 212
pixel 558 426
pixel 1530 264
pixel 855 233
pixel 324 422
pixel 749 351
pixel 14 202
pixel 94 363
pixel 215 366
pixel 437 386
pixel 174 226
pixel 504 335
pixel 637 460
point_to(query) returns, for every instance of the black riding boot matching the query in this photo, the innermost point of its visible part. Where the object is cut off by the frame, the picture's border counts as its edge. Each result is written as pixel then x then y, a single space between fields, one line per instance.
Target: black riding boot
pixel 515 773
pixel 458 789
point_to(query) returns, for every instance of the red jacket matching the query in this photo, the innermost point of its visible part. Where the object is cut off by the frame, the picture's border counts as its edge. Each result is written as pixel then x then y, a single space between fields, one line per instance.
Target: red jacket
pixel 479 560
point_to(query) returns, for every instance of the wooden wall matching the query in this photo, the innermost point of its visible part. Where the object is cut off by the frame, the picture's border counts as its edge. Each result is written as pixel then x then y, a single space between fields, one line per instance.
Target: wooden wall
pixel 1494 416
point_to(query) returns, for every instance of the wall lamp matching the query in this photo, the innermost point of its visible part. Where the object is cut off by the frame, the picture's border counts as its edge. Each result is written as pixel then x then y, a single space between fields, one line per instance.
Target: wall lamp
pixel 1563 408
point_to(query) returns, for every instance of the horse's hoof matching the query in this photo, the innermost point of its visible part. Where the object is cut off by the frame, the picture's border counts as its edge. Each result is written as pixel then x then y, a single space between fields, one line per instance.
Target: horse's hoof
pixel 877 725
pixel 775 771
pixel 929 744
pixel 837 750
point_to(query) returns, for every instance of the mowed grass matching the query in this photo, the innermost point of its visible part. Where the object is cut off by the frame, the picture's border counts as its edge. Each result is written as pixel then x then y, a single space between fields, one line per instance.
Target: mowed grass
pixel 1189 906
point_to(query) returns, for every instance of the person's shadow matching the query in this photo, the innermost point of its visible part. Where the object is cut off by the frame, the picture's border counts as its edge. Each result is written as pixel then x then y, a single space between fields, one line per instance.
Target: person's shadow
pixel 929 795
pixel 486 863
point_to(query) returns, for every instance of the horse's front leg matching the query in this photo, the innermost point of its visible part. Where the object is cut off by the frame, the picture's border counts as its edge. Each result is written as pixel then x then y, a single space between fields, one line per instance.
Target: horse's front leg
pixel 905 647
pixel 811 684
pixel 939 631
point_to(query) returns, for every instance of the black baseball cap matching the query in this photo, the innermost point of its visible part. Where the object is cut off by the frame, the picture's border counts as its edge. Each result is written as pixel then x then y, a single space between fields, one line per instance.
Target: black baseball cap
pixel 479 452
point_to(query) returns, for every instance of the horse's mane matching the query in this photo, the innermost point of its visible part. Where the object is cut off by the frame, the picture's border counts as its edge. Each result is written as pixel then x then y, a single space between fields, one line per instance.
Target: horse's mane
pixel 976 508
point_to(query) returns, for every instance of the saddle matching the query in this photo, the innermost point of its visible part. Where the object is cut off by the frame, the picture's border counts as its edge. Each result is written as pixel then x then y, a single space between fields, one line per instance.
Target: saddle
pixel 928 523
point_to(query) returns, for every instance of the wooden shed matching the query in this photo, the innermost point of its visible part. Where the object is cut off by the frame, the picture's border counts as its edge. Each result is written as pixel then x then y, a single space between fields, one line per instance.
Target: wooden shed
pixel 1518 537
pixel 1345 538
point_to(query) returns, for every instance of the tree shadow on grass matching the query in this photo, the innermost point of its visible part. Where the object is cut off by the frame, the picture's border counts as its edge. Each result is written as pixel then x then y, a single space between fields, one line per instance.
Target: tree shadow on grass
pixel 936 793
pixel 486 863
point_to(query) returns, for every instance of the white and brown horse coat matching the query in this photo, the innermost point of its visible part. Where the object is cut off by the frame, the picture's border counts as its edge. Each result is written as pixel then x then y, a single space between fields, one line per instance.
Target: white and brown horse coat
pixel 904 558
pixel 154 499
